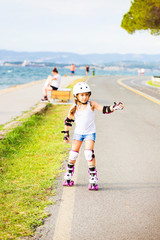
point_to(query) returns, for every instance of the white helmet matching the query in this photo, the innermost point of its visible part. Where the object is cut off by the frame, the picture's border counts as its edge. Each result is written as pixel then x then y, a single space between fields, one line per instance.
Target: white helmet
pixel 81 87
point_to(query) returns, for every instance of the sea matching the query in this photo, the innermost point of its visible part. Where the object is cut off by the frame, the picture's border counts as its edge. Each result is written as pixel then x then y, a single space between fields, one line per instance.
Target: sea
pixel 17 75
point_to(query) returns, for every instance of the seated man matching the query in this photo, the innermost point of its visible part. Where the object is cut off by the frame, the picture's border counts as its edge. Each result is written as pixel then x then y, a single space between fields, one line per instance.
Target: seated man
pixel 52 83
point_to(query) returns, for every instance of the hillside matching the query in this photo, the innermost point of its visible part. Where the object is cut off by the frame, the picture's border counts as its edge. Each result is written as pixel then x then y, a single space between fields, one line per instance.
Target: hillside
pixel 68 58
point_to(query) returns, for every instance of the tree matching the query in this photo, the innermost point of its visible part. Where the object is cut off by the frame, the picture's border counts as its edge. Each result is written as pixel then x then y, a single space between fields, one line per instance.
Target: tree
pixel 142 15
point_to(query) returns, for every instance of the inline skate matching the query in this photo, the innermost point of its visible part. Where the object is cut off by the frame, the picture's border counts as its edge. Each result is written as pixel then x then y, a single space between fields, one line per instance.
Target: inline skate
pixel 68 175
pixel 93 180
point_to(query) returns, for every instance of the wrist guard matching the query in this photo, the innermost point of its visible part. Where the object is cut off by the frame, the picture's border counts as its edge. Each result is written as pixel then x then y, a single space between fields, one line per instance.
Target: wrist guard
pixel 68 121
pixel 106 109
pixel 66 136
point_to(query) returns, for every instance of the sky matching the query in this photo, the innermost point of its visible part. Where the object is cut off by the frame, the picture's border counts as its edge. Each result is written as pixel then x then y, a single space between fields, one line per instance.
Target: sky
pixel 78 26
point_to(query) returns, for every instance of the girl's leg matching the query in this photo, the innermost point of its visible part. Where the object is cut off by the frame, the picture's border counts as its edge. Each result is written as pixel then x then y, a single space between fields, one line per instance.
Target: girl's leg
pixel 93 180
pixel 75 148
pixel 45 89
pixel 71 162
pixel 89 145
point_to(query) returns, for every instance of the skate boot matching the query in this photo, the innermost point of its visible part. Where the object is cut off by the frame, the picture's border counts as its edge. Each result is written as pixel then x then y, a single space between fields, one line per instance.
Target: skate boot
pixel 68 175
pixel 93 180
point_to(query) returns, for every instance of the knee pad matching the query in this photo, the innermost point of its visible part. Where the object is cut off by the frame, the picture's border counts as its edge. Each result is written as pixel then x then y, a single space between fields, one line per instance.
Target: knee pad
pixel 89 154
pixel 73 155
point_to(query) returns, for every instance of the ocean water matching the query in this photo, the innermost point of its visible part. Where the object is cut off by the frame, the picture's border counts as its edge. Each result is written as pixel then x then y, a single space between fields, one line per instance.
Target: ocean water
pixel 16 75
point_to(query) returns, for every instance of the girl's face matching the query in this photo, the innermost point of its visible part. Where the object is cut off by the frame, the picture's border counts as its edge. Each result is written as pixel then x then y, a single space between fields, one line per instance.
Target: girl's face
pixel 83 97
pixel 54 73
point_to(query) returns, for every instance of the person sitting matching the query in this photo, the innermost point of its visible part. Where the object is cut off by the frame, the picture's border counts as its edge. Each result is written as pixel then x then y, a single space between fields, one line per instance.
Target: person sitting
pixel 52 83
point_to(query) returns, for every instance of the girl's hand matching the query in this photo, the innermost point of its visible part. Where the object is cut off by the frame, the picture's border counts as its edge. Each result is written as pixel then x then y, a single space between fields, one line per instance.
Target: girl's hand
pixel 118 106
pixel 121 106
pixel 66 136
pixel 66 139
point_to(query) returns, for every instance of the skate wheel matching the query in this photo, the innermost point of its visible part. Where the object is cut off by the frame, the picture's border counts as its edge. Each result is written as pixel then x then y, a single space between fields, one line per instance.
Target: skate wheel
pixel 71 183
pixel 92 187
pixel 65 183
pixel 89 187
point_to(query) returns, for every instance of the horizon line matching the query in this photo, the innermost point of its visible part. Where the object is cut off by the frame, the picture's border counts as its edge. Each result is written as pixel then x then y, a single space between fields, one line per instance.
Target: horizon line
pixel 25 51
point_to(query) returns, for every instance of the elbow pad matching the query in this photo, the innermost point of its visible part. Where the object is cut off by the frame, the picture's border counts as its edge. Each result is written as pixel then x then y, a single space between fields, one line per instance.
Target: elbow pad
pixel 106 109
pixel 68 121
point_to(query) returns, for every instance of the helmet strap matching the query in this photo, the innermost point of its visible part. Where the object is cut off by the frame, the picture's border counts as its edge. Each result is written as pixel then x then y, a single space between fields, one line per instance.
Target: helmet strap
pixel 80 101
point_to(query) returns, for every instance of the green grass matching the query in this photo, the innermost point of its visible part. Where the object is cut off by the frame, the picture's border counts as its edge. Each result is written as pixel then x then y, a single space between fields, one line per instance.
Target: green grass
pixel 73 83
pixel 1 127
pixel 153 84
pixel 31 159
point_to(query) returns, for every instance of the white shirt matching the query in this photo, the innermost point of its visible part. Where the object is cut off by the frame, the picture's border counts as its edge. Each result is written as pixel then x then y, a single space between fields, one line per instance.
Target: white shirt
pixel 85 121
pixel 56 83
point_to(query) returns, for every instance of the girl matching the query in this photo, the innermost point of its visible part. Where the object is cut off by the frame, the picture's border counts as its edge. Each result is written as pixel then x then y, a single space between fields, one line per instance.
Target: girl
pixel 83 111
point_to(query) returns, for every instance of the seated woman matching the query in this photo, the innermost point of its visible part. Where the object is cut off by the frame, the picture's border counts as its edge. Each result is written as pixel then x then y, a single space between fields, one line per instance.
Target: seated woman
pixel 52 83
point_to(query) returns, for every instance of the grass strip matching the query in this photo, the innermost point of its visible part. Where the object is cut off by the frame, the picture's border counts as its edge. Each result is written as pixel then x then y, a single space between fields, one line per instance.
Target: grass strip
pixel 31 158
pixel 153 84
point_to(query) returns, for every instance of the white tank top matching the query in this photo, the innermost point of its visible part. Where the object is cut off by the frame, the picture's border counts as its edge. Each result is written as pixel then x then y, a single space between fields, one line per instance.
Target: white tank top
pixel 57 82
pixel 85 121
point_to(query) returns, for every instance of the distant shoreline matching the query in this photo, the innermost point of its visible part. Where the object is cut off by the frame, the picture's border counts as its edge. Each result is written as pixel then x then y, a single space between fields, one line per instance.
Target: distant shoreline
pixel 76 58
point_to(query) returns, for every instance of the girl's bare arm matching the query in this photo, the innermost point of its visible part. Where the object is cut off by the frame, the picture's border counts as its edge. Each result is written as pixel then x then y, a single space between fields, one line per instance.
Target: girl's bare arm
pixel 67 124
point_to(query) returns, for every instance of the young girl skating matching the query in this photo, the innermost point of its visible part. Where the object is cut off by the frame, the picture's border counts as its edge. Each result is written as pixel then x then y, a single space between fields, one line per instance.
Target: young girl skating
pixel 83 110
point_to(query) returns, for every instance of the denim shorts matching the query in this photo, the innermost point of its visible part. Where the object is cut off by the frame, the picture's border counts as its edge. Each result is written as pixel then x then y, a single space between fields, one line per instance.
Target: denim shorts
pixel 84 137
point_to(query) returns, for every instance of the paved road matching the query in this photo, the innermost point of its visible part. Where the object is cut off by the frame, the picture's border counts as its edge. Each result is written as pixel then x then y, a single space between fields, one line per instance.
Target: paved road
pixel 127 205
pixel 16 100
pixel 139 83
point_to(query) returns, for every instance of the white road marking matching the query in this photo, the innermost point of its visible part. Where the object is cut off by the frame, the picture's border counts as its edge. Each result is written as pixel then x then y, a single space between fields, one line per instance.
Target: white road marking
pixel 65 215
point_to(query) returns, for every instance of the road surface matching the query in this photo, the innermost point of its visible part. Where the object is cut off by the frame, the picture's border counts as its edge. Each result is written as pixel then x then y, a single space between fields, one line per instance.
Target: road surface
pixel 139 83
pixel 127 149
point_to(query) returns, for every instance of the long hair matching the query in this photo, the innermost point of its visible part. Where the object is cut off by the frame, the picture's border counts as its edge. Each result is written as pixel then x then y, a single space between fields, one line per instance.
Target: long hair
pixel 73 109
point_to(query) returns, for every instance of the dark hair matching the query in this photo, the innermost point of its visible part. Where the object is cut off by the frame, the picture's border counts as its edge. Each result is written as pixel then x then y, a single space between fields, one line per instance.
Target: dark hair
pixel 55 70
